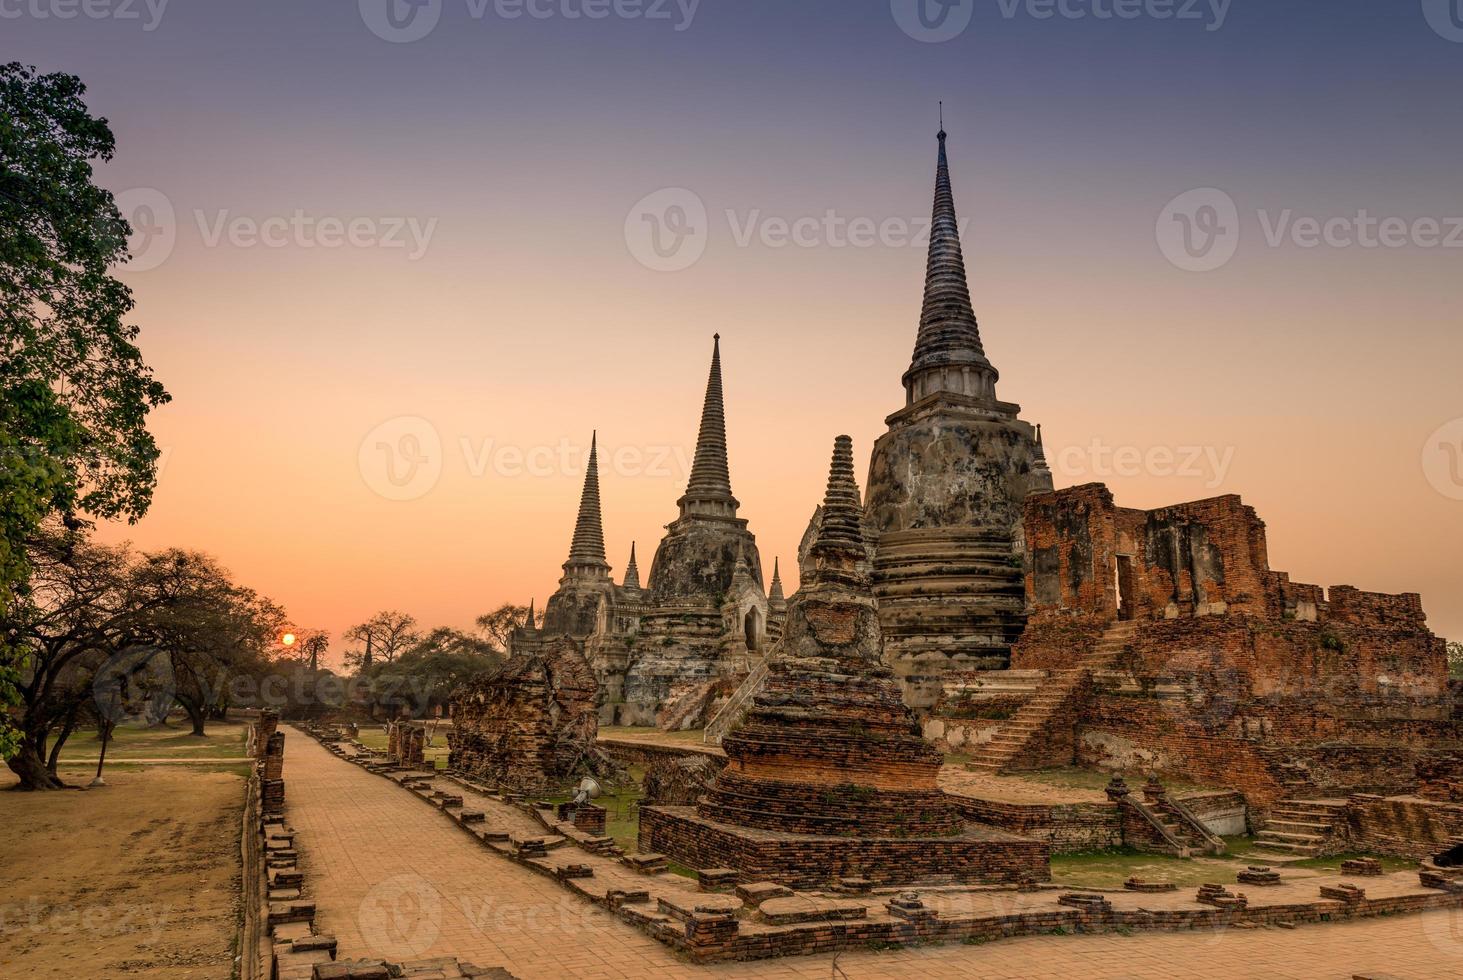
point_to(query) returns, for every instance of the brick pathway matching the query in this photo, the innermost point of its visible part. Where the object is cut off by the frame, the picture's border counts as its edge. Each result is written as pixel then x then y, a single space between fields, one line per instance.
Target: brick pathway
pixel 393 877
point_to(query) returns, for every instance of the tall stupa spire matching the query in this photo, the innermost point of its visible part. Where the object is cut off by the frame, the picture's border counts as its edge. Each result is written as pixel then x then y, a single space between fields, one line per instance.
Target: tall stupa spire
pixel 709 490
pixel 948 355
pixel 774 594
pixel 587 551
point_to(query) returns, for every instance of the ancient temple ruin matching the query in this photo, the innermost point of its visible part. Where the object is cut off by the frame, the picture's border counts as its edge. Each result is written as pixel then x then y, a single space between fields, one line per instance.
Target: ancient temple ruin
pixel 664 654
pixel 531 724
pixel 1163 641
pixel 946 486
pixel 827 775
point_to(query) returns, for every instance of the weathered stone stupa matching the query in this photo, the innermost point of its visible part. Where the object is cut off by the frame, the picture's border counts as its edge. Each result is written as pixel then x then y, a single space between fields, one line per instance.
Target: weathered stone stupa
pixel 581 606
pixel 828 746
pixel 708 613
pixel 827 775
pixel 947 484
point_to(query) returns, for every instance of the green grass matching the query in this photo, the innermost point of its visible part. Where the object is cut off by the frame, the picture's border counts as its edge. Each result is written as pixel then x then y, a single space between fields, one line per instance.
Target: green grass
pixel 1109 869
pixel 373 737
pixel 224 740
pixel 693 736
pixel 622 809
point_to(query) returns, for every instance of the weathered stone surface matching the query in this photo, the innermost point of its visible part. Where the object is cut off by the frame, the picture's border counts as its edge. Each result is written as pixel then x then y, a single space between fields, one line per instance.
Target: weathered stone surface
pixel 532 723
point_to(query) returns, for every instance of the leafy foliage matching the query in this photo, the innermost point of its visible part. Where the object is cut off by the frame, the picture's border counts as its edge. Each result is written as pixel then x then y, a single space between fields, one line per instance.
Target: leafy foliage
pixel 74 391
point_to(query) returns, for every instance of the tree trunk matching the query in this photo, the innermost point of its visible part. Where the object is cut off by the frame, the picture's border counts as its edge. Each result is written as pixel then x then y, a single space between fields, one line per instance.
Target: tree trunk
pixel 29 764
pixel 196 715
pixel 61 738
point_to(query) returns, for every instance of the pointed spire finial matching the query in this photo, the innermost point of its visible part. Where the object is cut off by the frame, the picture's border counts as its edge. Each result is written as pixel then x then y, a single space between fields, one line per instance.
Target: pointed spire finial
pixel 632 571
pixel 528 620
pixel 709 489
pixel 942 119
pixel 1038 455
pixel 948 354
pixel 587 550
pixel 774 594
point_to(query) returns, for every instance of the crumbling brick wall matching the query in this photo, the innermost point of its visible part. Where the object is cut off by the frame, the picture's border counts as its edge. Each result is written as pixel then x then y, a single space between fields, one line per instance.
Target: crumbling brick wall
pixel 532 723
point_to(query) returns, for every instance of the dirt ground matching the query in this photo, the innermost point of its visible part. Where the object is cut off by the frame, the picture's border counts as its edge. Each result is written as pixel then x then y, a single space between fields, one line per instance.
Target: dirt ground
pixel 137 879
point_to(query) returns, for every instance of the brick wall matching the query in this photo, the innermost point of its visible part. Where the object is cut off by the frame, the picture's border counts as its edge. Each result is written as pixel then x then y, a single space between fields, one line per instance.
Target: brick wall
pixel 803 861
pixel 1404 827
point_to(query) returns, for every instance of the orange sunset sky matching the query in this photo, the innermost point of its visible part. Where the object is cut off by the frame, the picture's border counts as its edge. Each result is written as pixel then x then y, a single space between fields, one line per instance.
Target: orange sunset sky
pixel 1319 382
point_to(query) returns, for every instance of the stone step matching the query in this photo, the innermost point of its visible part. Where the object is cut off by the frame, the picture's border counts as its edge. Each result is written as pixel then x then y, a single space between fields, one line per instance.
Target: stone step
pixel 1299 827
pixel 1270 836
pixel 1302 850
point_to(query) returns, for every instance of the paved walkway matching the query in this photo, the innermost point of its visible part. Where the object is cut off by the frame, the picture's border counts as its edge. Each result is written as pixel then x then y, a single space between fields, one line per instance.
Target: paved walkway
pixel 393 877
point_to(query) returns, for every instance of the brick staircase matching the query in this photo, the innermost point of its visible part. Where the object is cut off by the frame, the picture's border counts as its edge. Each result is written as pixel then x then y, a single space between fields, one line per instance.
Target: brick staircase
pixel 736 706
pixel 1301 828
pixel 1051 699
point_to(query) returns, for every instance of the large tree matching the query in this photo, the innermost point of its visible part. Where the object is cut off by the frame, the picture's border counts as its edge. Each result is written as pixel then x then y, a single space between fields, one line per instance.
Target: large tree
pixel 426 674
pixel 101 625
pixel 383 637
pixel 498 625
pixel 74 391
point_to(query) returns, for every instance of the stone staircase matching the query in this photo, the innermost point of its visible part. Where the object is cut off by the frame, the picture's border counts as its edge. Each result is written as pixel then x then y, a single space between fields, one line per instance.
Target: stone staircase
pixel 1302 828
pixel 1052 698
pixel 736 706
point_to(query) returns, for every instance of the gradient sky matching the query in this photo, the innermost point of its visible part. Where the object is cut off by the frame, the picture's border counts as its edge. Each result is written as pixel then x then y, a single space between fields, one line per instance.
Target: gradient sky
pixel 1318 376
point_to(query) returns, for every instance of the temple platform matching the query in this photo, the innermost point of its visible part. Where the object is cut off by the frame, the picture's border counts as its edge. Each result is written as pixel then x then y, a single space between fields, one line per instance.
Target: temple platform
pixel 980 855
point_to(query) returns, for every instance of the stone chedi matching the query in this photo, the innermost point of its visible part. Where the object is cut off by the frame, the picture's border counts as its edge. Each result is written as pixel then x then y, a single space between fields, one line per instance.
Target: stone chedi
pixel 664 652
pixel 947 483
pixel 828 746
pixel 827 775
pixel 707 616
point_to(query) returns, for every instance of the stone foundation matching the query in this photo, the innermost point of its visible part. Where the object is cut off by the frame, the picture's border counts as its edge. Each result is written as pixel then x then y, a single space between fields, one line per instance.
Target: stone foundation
pixel 986 856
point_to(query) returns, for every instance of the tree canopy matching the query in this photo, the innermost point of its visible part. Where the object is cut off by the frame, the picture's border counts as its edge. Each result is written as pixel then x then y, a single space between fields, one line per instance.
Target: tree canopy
pixel 74 390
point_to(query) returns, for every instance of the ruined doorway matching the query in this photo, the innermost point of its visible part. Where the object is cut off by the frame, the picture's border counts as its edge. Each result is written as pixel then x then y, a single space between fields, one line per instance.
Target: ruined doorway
pixel 752 625
pixel 1125 587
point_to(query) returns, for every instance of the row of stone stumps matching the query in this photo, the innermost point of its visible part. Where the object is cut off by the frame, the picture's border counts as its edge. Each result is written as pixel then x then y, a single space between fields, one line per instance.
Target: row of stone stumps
pixel 297 951
pixel 707 923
